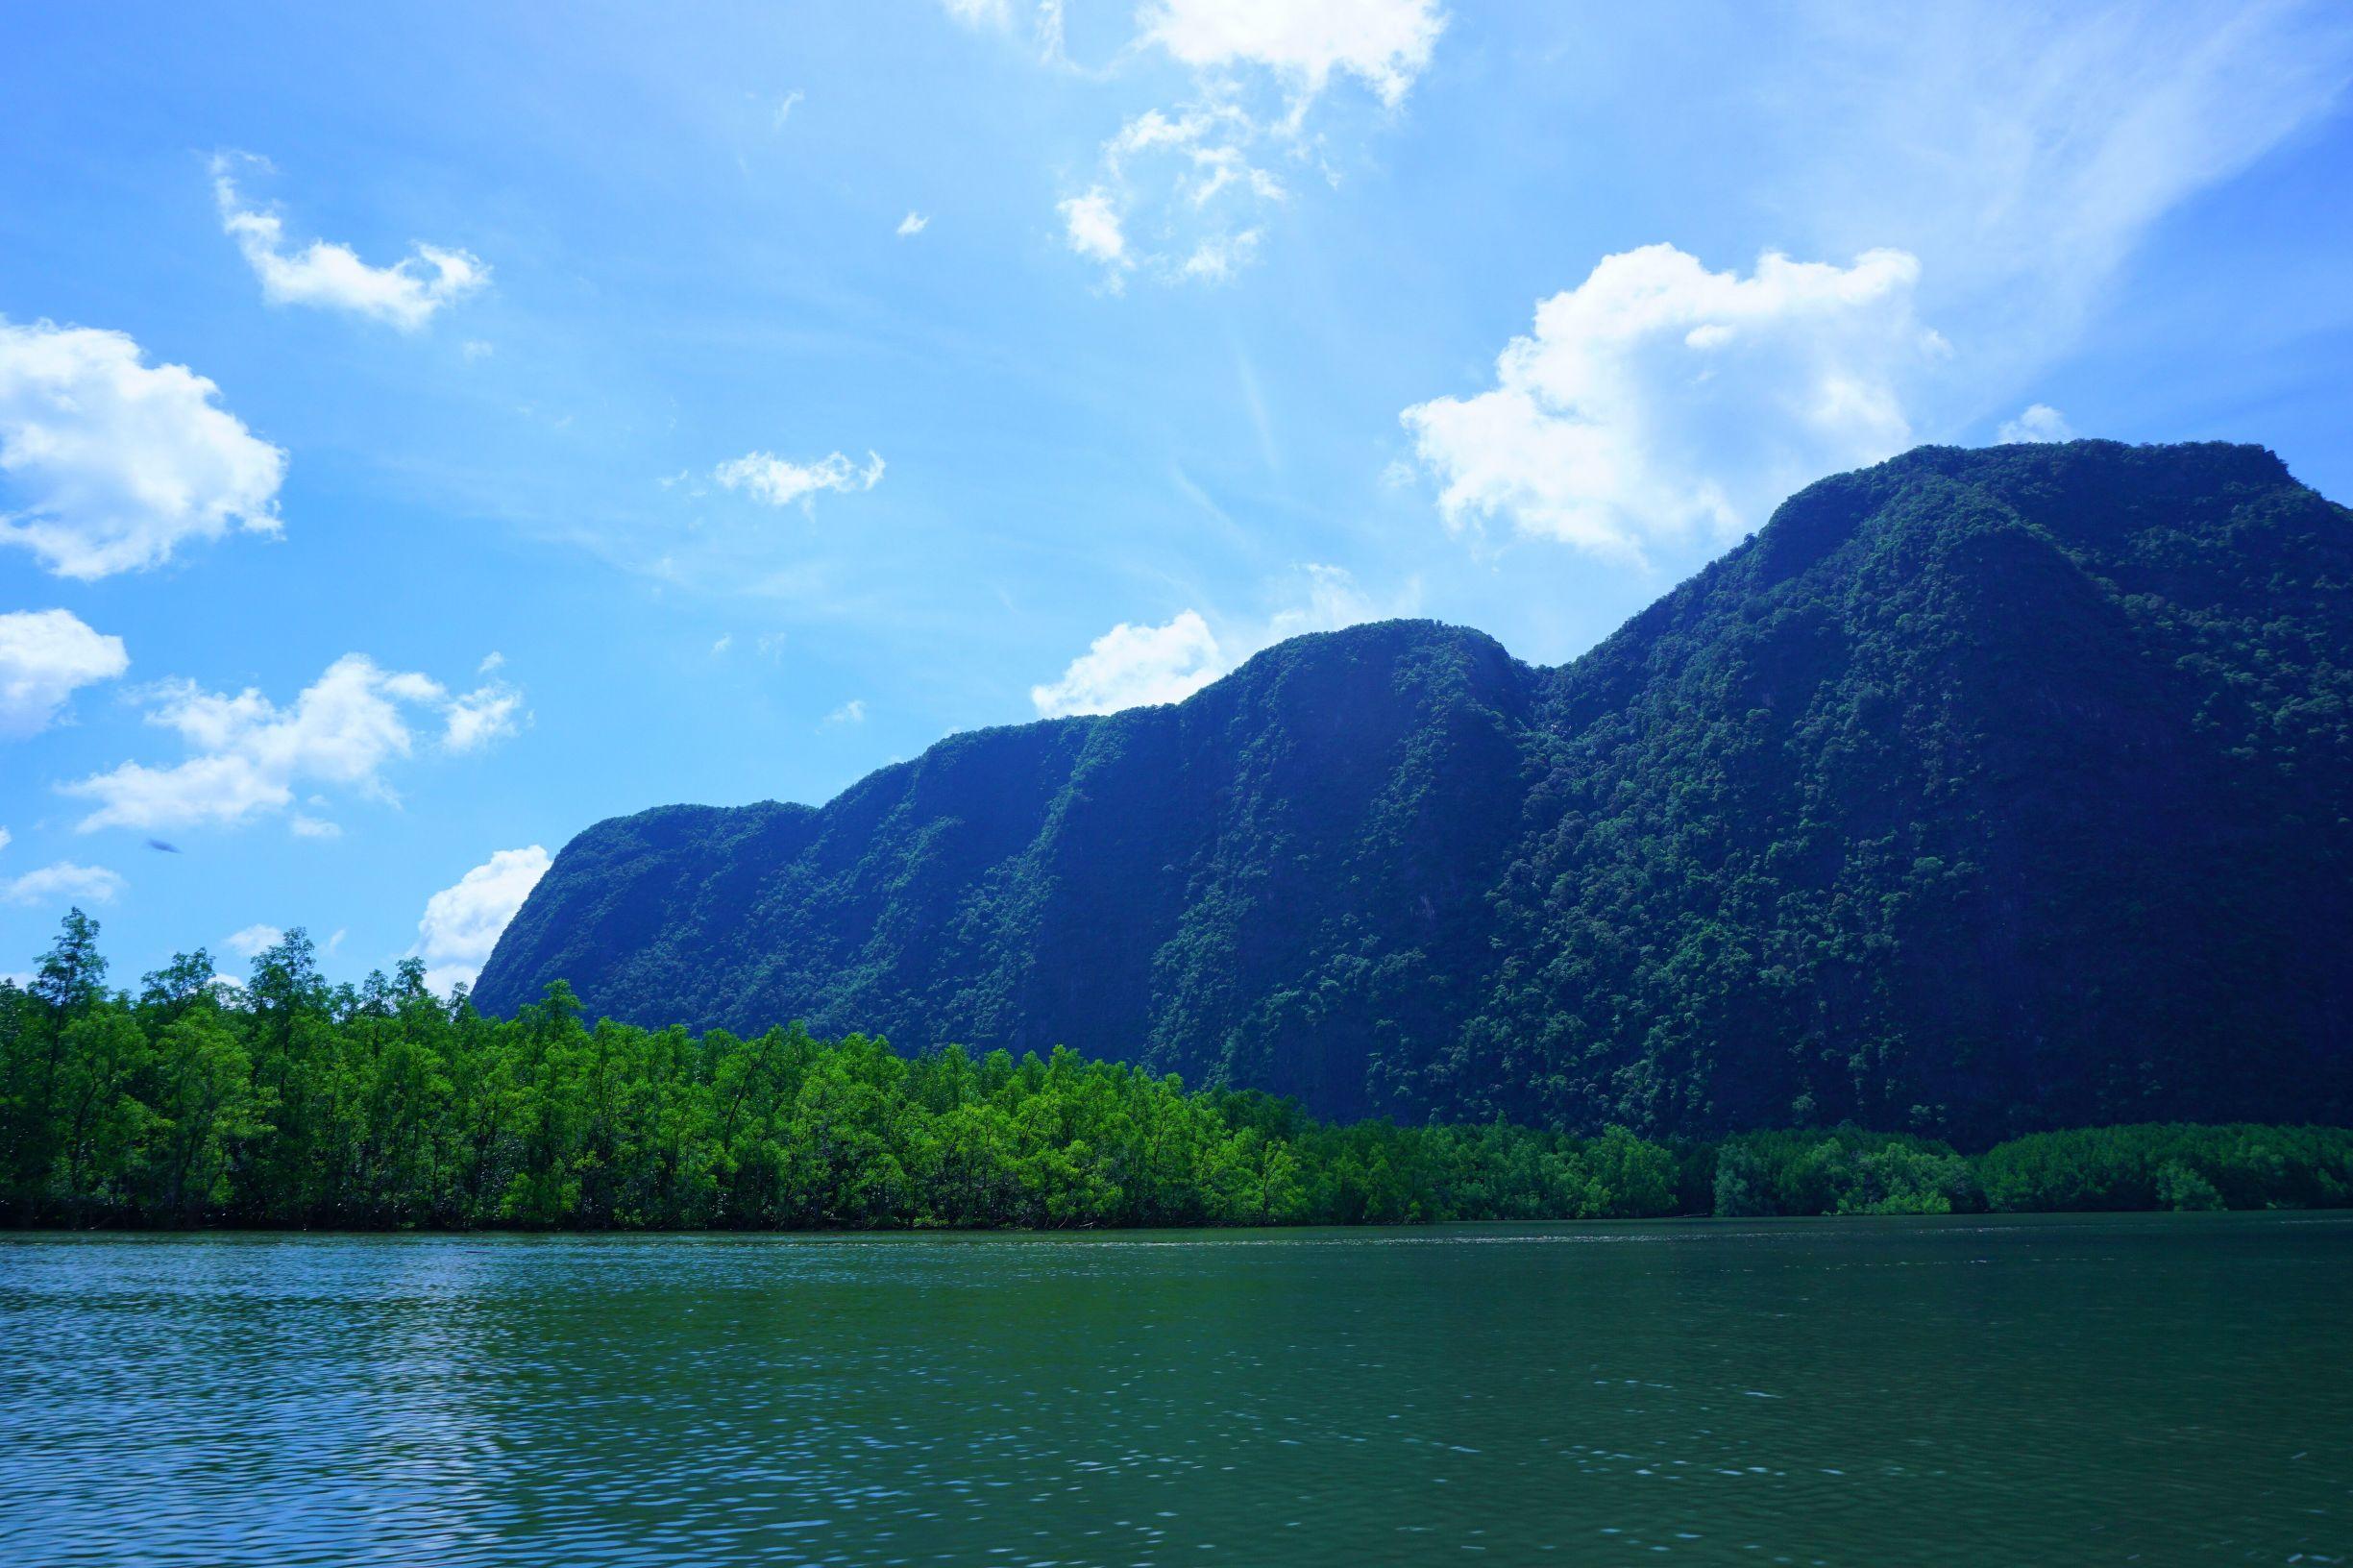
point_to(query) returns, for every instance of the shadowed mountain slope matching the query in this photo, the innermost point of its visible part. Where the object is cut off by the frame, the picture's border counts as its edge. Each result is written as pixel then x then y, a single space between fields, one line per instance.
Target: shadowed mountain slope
pixel 1978 792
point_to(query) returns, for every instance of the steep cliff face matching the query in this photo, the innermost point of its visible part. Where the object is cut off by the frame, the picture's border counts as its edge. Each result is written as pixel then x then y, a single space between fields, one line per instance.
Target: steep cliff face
pixel 1979 790
pixel 1306 841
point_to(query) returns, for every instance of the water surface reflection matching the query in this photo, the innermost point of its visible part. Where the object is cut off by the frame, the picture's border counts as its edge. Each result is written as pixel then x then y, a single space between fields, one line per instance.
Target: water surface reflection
pixel 2103 1389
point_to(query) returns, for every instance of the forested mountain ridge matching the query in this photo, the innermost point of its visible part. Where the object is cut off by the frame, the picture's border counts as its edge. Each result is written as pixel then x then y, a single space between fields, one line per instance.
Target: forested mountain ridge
pixel 1978 792
pixel 1092 882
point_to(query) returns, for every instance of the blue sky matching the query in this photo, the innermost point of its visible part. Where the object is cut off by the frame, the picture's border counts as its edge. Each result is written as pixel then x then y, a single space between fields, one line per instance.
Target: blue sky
pixel 427 429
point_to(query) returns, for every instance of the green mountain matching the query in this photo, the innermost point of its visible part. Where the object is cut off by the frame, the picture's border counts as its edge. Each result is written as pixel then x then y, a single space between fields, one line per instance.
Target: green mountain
pixel 1978 792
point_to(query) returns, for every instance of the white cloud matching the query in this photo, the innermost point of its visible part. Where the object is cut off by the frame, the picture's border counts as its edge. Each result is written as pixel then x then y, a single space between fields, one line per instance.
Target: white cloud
pixel 2021 154
pixel 44 656
pixel 1130 666
pixel 250 753
pixel 1217 259
pixel 107 463
pixel 64 882
pixel 980 13
pixel 780 482
pixel 481 716
pixel 1386 44
pixel 492 660
pixel 851 712
pixel 1657 398
pixel 1332 600
pixel 1190 180
pixel 304 827
pixel 5 838
pixel 2040 422
pixel 1179 193
pixel 1091 227
pixel 2025 152
pixel 724 642
pixel 475 347
pixel 461 923
pixel 252 939
pixel 1207 140
pixel 913 224
pixel 407 294
pixel 784 109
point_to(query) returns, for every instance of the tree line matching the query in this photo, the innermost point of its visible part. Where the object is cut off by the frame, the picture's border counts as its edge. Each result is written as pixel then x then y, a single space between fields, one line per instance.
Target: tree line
pixel 287 1101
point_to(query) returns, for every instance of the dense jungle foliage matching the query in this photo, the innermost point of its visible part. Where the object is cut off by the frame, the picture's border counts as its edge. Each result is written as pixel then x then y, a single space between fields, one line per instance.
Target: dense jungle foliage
pixel 1979 794
pixel 286 1101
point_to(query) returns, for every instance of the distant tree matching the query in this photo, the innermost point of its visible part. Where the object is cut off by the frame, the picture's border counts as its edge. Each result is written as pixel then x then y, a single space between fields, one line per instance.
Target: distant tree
pixel 72 973
pixel 2180 1187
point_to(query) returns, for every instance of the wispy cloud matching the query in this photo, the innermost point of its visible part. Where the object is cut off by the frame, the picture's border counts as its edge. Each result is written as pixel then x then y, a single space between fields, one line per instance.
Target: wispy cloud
pixel 780 482
pixel 407 294
pixel 1385 44
pixel 1180 193
pixel 980 13
pixel 2025 153
pixel 64 882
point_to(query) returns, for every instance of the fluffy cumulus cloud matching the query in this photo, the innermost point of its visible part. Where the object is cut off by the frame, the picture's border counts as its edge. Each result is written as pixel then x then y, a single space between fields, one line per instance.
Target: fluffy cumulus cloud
pixel 253 940
pixel 1135 665
pixel 779 481
pixel 407 294
pixel 461 923
pixel 63 883
pixel 1657 399
pixel 1181 193
pixel 45 655
pixel 2039 421
pixel 107 464
pixel 251 756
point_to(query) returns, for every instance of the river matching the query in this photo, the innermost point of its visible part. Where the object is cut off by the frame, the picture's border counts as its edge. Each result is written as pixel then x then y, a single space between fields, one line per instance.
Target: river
pixel 2078 1389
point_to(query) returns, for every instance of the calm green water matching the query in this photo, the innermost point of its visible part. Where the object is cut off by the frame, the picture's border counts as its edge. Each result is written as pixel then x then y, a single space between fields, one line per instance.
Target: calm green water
pixel 2160 1389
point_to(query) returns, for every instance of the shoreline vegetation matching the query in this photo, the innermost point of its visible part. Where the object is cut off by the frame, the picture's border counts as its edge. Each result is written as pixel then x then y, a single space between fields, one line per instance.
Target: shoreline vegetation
pixel 288 1103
